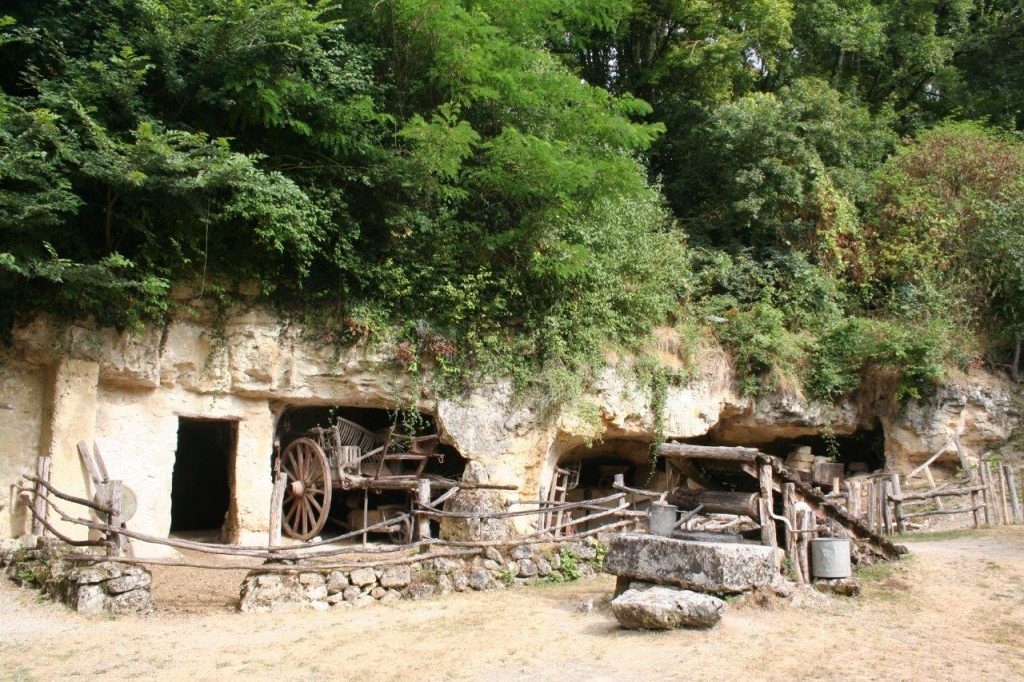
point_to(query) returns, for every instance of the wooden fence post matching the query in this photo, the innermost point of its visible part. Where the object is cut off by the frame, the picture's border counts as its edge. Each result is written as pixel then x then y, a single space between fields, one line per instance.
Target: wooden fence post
pixel 423 497
pixel 39 505
pixel 901 521
pixel 792 537
pixel 768 536
pixel 883 500
pixel 981 477
pixel 114 538
pixel 276 504
pixel 1011 482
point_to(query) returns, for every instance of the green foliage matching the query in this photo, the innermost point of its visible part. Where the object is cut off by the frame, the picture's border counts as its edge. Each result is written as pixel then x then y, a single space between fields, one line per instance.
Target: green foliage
pixel 489 188
pixel 570 568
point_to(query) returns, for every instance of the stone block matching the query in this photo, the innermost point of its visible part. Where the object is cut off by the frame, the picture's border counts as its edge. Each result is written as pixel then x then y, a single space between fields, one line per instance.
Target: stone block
pixel 698 566
pixel 460 581
pixel 396 577
pixel 492 565
pixel 479 579
pixel 138 602
pixel 521 552
pixel 378 592
pixel 494 555
pixel 362 576
pixel 352 593
pixel 526 569
pixel 126 583
pixel 422 591
pixel 544 567
pixel 316 592
pixel 336 582
pixel 89 599
pixel 311 579
pixel 665 608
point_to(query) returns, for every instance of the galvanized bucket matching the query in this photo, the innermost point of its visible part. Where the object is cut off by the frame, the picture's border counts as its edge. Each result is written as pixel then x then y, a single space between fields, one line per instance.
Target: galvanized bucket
pixel 663 518
pixel 830 558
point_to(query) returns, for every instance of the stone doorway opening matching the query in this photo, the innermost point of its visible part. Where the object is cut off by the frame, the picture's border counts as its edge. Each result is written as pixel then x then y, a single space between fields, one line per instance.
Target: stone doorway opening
pixel 349 507
pixel 202 485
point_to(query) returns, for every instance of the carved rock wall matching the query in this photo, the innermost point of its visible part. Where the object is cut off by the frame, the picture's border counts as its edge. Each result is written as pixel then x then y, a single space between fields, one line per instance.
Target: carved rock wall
pixel 128 393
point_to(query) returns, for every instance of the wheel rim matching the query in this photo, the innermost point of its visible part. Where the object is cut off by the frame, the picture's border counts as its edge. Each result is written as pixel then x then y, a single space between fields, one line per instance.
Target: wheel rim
pixel 307 493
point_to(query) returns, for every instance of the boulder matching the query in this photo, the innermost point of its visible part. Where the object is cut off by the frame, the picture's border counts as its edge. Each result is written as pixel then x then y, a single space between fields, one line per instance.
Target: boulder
pixel 699 566
pixel 665 608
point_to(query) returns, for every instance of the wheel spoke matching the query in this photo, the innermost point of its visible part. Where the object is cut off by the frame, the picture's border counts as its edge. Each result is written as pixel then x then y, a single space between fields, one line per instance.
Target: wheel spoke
pixel 319 507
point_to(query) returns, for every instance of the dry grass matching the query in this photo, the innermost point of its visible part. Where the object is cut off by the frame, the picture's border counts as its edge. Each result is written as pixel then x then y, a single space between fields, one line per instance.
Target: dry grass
pixel 955 611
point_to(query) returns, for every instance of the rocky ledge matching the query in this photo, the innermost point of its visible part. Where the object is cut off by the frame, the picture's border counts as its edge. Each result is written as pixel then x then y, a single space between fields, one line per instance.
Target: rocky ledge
pixel 86 587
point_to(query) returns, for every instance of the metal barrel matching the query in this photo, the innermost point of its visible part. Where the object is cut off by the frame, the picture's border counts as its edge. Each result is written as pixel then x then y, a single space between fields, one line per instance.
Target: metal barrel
pixel 830 558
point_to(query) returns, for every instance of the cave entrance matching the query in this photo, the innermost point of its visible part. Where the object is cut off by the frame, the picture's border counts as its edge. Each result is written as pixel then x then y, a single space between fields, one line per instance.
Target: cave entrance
pixel 389 498
pixel 203 479
pixel 588 473
pixel 862 451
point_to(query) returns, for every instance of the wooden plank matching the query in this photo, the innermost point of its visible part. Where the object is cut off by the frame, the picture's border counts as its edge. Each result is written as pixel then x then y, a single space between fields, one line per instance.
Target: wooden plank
pixel 101 466
pixel 931 483
pixel 940 451
pixel 90 465
pixel 708 452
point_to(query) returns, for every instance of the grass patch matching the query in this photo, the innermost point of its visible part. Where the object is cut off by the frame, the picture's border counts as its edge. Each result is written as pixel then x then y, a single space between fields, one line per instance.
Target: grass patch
pixel 875 572
pixel 936 535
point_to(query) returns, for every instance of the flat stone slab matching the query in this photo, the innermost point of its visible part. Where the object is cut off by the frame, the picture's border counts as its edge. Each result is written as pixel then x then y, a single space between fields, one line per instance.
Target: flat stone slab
pixel 665 608
pixel 716 568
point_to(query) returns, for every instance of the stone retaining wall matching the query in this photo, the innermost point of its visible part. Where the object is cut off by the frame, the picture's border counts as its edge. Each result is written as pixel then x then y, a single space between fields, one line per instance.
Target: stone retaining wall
pixel 86 587
pixel 494 568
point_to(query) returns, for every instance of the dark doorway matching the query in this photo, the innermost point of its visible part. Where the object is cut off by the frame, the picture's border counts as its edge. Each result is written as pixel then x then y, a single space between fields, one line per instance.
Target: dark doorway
pixel 203 473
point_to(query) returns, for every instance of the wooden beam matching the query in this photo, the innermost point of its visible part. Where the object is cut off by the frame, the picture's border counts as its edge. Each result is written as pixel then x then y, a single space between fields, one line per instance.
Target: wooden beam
pixel 708 452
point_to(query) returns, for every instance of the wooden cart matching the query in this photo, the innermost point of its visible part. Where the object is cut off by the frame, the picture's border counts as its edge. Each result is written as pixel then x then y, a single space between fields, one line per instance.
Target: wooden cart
pixel 349 457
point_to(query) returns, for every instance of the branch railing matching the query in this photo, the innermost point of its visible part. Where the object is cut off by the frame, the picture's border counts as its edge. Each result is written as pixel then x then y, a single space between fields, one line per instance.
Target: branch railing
pixel 41 499
pixel 989 495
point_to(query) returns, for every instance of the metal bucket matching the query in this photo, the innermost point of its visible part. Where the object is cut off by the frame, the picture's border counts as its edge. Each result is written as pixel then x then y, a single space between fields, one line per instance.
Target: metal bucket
pixel 663 518
pixel 830 558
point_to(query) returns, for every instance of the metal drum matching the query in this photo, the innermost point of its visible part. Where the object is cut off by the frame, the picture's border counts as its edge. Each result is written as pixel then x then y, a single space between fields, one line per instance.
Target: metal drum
pixel 830 558
pixel 663 518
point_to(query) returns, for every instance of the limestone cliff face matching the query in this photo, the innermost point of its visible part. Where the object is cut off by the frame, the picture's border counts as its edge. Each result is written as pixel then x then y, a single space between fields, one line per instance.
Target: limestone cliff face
pixel 256 366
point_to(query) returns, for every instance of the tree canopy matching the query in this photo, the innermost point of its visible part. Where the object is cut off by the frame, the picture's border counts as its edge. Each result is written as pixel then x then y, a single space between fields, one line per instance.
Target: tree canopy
pixel 827 187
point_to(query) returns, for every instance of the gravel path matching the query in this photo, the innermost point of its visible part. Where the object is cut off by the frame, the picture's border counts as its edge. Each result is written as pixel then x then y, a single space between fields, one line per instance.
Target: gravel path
pixel 953 611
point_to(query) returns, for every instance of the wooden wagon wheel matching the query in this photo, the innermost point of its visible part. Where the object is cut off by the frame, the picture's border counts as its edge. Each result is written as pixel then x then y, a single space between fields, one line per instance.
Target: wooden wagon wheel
pixel 307 493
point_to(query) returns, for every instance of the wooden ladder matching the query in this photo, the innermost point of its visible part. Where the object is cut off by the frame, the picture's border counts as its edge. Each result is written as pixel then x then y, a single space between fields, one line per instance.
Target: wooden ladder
pixel 562 480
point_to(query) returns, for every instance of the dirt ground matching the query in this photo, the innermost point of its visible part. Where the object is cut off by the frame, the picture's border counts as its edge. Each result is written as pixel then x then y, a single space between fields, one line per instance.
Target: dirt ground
pixel 955 610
